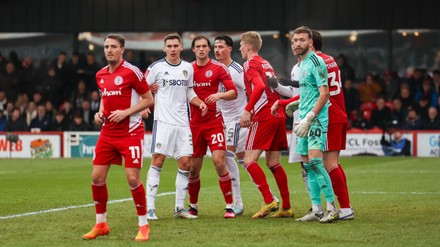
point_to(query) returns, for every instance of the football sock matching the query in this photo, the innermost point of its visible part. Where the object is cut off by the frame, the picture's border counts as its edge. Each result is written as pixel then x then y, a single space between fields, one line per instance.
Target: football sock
pixel 138 194
pixel 281 178
pixel 304 177
pixel 181 188
pixel 100 197
pixel 314 189
pixel 339 186
pixel 330 206
pixel 260 180
pixel 226 187
pixel 153 178
pixel 241 162
pixel 100 218
pixel 317 208
pixel 234 172
pixel 323 179
pixel 194 189
pixel 345 182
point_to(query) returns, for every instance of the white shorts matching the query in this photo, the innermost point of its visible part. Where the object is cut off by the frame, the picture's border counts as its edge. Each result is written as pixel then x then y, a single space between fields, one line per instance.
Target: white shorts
pixel 171 140
pixel 293 156
pixel 236 136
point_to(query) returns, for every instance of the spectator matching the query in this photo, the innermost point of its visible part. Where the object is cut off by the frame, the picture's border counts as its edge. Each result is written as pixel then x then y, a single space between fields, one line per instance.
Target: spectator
pixel 351 95
pixel 412 121
pixel 398 146
pixel 433 120
pixel 90 70
pixel 370 89
pixel 380 116
pixel 68 110
pixel 428 91
pixel 60 66
pixel 360 122
pixel 13 57
pixel 78 123
pixel 436 81
pixel 398 113
pixel 50 110
pixel 3 100
pixel 347 71
pixel 9 109
pixel 3 121
pixel 60 123
pixel 52 87
pixel 79 95
pixel 16 122
pixel 27 76
pixel 37 97
pixel 405 96
pixel 75 72
pixel 30 112
pixel 10 82
pixel 390 85
pixel 95 102
pixel 22 102
pixel 88 115
pixel 41 122
pixel 416 79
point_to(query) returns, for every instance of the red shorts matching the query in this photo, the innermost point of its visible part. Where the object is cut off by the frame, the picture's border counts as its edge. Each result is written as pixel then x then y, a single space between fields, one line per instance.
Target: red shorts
pixel 336 137
pixel 111 150
pixel 204 136
pixel 268 135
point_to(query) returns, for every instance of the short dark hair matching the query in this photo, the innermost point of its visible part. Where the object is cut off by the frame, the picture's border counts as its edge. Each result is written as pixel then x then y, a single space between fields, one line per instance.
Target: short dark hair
pixel 304 29
pixel 228 40
pixel 199 37
pixel 173 36
pixel 117 37
pixel 317 40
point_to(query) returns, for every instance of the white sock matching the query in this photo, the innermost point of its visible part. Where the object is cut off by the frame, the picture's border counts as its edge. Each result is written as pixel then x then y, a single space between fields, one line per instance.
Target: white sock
pixel 142 220
pixel 153 178
pixel 330 206
pixel 241 162
pixel 234 172
pixel 317 208
pixel 101 218
pixel 181 188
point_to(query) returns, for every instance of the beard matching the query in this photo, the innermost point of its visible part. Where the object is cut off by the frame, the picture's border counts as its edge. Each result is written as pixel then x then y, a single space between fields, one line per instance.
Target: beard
pixel 302 52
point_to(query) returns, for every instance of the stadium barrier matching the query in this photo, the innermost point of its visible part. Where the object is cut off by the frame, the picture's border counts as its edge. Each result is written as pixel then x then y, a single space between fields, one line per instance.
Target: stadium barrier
pixel 82 144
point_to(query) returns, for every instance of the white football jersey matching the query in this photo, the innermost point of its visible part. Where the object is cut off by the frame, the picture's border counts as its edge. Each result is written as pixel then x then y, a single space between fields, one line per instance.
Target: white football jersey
pixel 171 101
pixel 233 109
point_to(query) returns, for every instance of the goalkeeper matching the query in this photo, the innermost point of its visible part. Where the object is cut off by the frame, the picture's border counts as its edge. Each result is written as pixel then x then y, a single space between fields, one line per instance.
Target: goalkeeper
pixel 312 127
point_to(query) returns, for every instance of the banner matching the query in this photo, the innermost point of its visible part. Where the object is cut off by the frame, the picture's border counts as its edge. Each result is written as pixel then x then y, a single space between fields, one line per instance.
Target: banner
pixel 31 146
pixel 368 144
pixel 428 145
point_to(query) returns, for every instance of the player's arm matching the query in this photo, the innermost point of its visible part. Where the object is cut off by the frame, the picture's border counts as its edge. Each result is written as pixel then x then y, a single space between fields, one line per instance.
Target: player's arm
pixel 145 102
pixel 257 90
pixel 195 100
pixel 231 90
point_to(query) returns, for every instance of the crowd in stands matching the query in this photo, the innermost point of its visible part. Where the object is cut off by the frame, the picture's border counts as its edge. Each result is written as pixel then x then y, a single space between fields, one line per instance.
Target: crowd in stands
pixel 61 95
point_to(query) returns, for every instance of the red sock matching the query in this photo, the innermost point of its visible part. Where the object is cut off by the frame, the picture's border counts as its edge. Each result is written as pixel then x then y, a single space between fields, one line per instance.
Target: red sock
pixel 100 196
pixel 194 189
pixel 226 187
pixel 260 180
pixel 140 202
pixel 343 174
pixel 281 178
pixel 339 187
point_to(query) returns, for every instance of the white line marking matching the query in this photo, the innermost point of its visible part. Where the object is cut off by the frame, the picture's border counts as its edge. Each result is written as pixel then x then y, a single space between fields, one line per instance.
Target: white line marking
pixel 73 207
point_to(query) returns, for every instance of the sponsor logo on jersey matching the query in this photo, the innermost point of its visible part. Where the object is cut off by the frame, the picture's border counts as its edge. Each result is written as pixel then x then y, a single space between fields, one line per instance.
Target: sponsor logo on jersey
pixel 202 84
pixel 208 73
pixel 174 82
pixel 102 81
pixel 118 80
pixel 185 72
pixel 266 65
pixel 111 92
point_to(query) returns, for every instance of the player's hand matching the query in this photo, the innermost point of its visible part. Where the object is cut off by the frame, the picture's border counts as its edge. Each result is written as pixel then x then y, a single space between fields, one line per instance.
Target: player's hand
pixel 246 119
pixel 273 82
pixel 274 109
pixel 154 87
pixel 145 113
pixel 287 82
pixel 99 118
pixel 291 108
pixel 204 108
pixel 302 128
pixel 211 99
pixel 117 116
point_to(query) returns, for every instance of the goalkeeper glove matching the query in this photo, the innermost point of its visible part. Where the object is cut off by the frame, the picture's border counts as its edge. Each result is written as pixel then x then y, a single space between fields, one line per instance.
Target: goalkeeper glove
pixel 292 107
pixel 302 129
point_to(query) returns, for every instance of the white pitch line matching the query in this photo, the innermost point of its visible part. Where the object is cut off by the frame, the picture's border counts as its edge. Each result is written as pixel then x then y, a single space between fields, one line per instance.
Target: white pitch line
pixel 72 207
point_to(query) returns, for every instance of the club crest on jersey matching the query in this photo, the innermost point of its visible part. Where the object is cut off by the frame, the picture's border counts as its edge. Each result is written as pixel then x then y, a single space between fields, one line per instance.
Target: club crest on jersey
pixel 208 73
pixel 185 73
pixel 118 80
pixel 158 145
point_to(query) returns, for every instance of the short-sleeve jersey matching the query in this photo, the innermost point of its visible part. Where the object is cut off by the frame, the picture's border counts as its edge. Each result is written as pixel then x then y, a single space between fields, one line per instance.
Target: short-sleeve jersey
pixel 121 90
pixel 207 81
pixel 174 81
pixel 336 108
pixel 233 109
pixel 313 74
pixel 257 67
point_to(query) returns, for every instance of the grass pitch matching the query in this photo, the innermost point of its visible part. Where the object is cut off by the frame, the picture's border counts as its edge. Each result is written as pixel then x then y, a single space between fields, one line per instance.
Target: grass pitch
pixel 47 202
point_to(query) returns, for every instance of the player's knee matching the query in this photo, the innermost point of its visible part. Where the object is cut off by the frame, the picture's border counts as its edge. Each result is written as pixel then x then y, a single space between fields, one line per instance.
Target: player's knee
pixel 133 182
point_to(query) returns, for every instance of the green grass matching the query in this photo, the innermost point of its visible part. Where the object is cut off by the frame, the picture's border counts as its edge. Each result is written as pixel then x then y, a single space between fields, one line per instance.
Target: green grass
pixel 397 203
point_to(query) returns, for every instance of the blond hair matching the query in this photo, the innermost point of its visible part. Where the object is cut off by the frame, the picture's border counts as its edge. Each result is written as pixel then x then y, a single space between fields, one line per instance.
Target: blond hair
pixel 253 39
